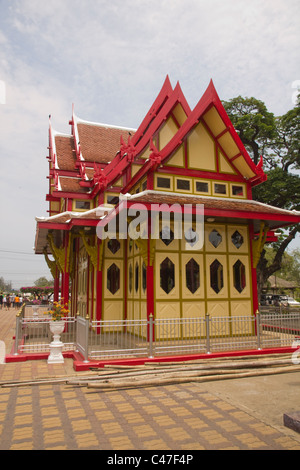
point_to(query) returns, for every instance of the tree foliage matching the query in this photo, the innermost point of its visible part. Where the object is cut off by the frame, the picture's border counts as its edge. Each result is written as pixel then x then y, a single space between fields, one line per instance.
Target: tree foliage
pixel 5 286
pixel 276 139
pixel 254 123
pixel 43 281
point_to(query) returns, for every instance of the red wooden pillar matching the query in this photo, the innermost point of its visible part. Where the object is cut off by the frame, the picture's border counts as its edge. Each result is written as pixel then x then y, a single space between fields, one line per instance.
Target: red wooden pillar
pixel 150 278
pixel 66 287
pixel 92 291
pixel 255 299
pixel 75 295
pixel 56 286
pixel 66 275
pixel 88 289
pixel 62 286
pixel 125 280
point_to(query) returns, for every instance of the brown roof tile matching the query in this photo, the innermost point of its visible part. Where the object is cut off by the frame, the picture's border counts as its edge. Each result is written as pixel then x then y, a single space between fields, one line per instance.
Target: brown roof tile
pixel 154 197
pixel 157 197
pixel 65 152
pixel 71 185
pixel 99 143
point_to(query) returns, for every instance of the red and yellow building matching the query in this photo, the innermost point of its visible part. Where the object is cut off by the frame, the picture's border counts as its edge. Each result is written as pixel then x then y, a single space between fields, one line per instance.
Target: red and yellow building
pixel 176 156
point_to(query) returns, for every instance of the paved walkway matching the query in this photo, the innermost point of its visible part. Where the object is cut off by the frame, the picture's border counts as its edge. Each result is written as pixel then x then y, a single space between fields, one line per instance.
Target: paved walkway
pixel 232 414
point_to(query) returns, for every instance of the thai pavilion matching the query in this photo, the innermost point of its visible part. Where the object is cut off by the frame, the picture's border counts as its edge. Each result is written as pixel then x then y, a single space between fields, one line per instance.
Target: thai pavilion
pixel 177 157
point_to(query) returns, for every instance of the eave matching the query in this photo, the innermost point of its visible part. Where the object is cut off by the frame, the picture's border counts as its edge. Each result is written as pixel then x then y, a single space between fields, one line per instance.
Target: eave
pixel 71 195
pixel 224 210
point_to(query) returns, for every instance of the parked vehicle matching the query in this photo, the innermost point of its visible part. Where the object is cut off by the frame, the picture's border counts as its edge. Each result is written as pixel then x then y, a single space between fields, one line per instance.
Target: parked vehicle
pixel 273 299
pixel 292 302
pixel 277 300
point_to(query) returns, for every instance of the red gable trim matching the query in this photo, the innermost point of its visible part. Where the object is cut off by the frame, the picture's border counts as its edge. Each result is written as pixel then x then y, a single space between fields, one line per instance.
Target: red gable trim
pixel 163 95
pixel 210 98
pixel 177 97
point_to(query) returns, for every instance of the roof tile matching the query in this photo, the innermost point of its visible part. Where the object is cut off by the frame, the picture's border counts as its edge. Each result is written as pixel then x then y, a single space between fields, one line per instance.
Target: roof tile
pixel 65 152
pixel 99 143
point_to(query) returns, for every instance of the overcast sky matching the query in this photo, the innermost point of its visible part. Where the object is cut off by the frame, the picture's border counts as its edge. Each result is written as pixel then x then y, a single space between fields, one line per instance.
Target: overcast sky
pixel 110 59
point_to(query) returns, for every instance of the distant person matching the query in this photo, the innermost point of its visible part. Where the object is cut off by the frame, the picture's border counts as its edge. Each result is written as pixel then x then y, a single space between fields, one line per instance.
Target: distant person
pixel 1 301
pixel 17 301
pixel 8 303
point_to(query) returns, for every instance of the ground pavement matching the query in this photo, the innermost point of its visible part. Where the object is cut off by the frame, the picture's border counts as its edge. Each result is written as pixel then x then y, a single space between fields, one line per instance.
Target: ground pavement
pixel 240 414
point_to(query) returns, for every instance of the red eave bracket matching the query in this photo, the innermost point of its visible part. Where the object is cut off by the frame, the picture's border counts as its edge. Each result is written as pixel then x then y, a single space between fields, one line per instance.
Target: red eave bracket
pixel 271 236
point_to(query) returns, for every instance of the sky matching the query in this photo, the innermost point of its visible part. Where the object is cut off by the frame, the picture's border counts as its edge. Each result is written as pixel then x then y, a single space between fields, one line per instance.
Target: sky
pixel 110 59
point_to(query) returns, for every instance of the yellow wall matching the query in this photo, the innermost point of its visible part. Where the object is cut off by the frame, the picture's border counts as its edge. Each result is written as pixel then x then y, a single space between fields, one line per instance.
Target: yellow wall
pixel 180 302
pixel 168 130
pixel 201 149
pixel 113 303
pixel 136 288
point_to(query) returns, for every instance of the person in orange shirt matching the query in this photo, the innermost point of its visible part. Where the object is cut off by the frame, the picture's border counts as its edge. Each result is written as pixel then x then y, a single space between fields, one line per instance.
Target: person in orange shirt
pixel 17 301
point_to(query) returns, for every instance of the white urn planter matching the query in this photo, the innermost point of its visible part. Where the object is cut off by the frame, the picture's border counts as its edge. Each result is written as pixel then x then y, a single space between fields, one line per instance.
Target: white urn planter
pixel 55 356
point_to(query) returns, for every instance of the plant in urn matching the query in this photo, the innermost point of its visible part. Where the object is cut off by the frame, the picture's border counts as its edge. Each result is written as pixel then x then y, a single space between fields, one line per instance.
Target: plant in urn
pixel 57 324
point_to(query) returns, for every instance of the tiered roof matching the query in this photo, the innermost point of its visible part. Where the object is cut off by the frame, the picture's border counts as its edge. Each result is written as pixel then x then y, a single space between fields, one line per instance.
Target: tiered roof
pixel 91 158
pixel 75 158
pixel 95 157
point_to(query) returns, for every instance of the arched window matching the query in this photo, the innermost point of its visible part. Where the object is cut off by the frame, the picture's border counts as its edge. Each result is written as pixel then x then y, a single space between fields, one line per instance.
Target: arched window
pixel 239 276
pixel 113 278
pixel 192 273
pixel 216 276
pixel 167 275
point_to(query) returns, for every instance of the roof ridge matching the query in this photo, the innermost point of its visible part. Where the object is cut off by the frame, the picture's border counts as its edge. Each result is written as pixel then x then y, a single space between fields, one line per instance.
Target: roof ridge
pixel 100 124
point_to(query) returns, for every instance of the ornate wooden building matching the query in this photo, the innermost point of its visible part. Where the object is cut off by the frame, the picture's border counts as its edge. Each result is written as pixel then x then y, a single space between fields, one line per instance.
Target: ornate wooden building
pixel 176 156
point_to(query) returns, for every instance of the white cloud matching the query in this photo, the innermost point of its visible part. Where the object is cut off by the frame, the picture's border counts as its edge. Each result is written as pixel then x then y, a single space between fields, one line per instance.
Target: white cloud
pixel 110 59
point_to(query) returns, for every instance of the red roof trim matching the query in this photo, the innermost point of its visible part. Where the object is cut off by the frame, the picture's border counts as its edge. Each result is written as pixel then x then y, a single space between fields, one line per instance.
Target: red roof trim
pixel 177 97
pixel 163 95
pixel 71 195
pixel 252 215
pixel 221 110
pixel 162 107
pixel 210 98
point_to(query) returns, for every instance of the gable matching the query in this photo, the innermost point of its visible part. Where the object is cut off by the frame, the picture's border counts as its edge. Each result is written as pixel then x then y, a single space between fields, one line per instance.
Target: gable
pixel 178 158
pixel 201 150
pixel 165 117
pixel 168 130
pixel 212 144
pixel 224 165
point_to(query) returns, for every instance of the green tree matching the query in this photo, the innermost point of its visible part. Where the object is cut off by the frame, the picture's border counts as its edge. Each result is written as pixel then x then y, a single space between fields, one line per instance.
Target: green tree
pixel 43 282
pixel 255 125
pixel 5 286
pixel 276 139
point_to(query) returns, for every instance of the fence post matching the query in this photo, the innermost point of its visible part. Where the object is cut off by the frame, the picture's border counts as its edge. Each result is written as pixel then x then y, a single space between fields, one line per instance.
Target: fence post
pixel 257 316
pixel 86 346
pixel 150 354
pixel 18 331
pixel 207 333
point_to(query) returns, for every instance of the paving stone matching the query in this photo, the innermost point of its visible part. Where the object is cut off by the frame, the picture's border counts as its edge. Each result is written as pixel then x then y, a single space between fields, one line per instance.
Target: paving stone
pixel 179 418
pixel 292 421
